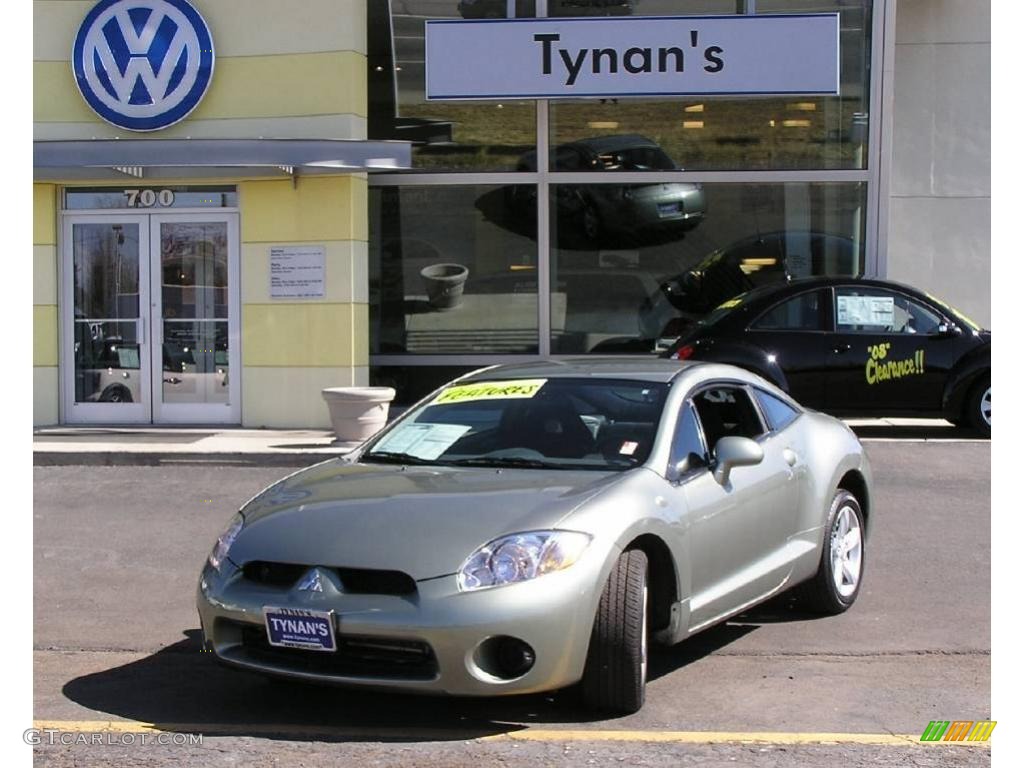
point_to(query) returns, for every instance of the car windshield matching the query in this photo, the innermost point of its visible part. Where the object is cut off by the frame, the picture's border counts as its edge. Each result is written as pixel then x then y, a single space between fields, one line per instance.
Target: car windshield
pixel 598 424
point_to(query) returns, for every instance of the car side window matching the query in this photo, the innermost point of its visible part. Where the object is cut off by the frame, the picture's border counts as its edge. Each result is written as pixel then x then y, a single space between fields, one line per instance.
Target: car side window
pixel 873 310
pixel 687 443
pixel 779 413
pixel 801 313
pixel 727 411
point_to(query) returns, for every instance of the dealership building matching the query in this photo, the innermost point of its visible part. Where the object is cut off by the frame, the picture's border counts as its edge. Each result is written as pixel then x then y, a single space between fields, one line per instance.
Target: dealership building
pixel 240 203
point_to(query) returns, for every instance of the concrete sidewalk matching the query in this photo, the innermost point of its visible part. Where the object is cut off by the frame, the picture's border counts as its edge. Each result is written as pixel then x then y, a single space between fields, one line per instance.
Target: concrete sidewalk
pixel 160 445
pixel 112 445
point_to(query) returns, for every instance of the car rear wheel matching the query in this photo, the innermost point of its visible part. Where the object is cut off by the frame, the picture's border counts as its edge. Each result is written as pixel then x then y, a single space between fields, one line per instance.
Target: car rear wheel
pixel 979 407
pixel 836 585
pixel 616 668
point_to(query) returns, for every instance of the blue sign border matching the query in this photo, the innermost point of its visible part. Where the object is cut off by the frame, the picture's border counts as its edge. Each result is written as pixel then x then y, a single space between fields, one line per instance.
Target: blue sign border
pixel 170 117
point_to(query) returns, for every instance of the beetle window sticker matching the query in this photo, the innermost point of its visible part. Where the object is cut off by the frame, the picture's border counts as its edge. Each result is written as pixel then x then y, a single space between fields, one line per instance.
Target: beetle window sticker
pixel 865 310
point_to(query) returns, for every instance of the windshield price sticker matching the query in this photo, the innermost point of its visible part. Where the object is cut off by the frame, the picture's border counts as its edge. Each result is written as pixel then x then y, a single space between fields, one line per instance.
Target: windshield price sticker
pixel 491 390
pixel 424 441
pixel 865 310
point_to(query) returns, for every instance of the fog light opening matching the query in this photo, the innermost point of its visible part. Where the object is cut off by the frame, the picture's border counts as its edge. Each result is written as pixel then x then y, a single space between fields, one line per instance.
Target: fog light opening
pixel 505 657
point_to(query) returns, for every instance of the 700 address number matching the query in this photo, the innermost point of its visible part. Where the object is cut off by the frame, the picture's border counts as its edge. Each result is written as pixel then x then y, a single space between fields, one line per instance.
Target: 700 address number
pixel 148 198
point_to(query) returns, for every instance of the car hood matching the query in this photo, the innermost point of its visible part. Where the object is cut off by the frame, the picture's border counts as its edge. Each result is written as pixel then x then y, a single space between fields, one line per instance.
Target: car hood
pixel 424 521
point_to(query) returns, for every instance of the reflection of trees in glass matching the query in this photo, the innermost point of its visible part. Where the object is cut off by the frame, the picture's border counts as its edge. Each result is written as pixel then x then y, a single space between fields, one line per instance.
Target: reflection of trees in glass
pixel 106 267
pixel 194 269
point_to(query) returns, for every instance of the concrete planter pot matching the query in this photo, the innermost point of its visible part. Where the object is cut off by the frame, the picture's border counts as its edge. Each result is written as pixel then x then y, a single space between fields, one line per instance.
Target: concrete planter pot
pixel 358 413
pixel 444 283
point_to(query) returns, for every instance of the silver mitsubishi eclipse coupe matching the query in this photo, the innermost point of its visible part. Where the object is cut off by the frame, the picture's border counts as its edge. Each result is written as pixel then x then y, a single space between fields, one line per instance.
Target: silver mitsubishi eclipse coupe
pixel 534 526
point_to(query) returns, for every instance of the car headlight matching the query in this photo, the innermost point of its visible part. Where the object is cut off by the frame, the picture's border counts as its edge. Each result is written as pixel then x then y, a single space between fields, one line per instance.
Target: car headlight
pixel 224 542
pixel 521 557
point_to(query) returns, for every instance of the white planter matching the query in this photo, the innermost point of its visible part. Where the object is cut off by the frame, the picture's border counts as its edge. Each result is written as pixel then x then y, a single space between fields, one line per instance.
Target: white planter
pixel 358 413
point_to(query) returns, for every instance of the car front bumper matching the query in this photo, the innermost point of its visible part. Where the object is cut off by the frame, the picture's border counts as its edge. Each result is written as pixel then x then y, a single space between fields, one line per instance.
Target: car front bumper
pixel 438 640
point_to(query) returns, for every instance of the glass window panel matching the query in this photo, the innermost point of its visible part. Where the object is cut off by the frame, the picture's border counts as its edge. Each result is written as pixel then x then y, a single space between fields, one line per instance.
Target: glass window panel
pixel 156 198
pixel 107 363
pixel 195 361
pixel 628 266
pixel 194 293
pixel 749 133
pixel 453 270
pixel 872 310
pixel 411 383
pixel 727 412
pixel 802 313
pixel 779 414
pixel 687 442
pixel 446 135
pixel 105 262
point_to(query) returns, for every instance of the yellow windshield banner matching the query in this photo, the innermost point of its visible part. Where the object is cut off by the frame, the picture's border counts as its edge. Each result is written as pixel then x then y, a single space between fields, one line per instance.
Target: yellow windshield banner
pixel 490 390
pixel 730 303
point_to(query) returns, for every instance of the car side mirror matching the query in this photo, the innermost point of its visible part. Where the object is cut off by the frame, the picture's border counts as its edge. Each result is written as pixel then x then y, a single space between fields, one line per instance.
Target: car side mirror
pixel 946 329
pixel 732 452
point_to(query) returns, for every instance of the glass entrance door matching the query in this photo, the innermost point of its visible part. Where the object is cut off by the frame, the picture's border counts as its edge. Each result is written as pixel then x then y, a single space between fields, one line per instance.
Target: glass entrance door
pixel 194 320
pixel 106 342
pixel 152 332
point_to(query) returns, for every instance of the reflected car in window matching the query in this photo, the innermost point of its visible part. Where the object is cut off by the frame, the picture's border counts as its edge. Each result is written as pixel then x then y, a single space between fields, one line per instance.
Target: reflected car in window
pixel 854 347
pixel 595 212
pixel 537 526
pixel 110 373
pixel 763 259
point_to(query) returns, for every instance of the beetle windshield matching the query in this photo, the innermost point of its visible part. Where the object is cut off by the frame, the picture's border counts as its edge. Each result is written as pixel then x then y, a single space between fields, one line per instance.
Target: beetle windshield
pixel 603 424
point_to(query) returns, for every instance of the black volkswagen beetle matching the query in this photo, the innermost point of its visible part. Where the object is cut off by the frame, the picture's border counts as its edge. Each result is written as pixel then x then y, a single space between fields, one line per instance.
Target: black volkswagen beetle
pixel 854 346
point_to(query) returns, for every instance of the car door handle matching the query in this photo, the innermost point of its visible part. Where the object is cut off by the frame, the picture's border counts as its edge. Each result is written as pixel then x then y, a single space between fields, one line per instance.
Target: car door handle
pixel 841 348
pixel 790 456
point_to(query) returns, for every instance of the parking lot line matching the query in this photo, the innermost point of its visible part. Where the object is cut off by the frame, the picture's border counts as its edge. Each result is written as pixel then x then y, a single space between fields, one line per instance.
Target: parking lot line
pixel 527 734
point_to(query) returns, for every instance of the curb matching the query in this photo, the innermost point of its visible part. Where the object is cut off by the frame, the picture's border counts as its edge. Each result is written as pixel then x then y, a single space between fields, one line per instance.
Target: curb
pixel 157 459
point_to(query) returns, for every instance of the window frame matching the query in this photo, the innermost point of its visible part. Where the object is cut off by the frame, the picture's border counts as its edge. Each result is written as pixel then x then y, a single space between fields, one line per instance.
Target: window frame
pixel 764 415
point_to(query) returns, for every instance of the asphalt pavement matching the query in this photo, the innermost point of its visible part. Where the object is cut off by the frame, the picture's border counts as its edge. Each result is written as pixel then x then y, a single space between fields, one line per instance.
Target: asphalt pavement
pixel 118 549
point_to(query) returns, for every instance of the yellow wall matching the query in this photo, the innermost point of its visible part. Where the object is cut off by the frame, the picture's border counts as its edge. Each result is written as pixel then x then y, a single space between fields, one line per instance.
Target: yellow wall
pixel 44 300
pixel 292 349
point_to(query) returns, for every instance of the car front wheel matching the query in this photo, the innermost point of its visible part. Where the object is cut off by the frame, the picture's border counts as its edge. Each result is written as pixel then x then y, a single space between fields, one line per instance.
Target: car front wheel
pixel 835 586
pixel 979 407
pixel 616 667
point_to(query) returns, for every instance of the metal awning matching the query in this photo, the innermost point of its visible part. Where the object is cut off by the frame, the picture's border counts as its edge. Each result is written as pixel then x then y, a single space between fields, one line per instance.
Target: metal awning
pixel 190 158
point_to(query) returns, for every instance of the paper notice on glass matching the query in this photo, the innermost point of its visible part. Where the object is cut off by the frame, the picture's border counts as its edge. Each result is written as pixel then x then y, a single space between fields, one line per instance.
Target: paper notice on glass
pixel 424 441
pixel 865 310
pixel 297 272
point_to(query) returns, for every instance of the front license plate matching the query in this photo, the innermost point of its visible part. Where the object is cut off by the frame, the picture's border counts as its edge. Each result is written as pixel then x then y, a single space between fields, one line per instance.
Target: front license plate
pixel 300 628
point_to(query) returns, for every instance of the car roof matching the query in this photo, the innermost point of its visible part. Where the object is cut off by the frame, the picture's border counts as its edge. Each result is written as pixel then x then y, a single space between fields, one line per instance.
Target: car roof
pixel 640 369
pixel 773 291
pixel 612 143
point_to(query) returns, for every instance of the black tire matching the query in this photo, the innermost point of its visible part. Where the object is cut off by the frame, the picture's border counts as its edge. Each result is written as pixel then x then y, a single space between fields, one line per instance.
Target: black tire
pixel 979 397
pixel 616 668
pixel 820 594
pixel 116 394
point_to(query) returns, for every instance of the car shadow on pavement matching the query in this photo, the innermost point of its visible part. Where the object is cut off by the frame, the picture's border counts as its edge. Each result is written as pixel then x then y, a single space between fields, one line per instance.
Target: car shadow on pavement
pixel 182 688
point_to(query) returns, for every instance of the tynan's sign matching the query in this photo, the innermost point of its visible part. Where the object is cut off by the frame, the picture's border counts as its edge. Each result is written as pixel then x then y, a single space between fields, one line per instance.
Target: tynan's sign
pixel 143 64
pixel 633 56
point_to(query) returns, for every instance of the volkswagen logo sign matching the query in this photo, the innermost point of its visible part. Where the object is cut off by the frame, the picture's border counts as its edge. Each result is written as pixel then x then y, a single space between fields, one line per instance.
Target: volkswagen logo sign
pixel 143 64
